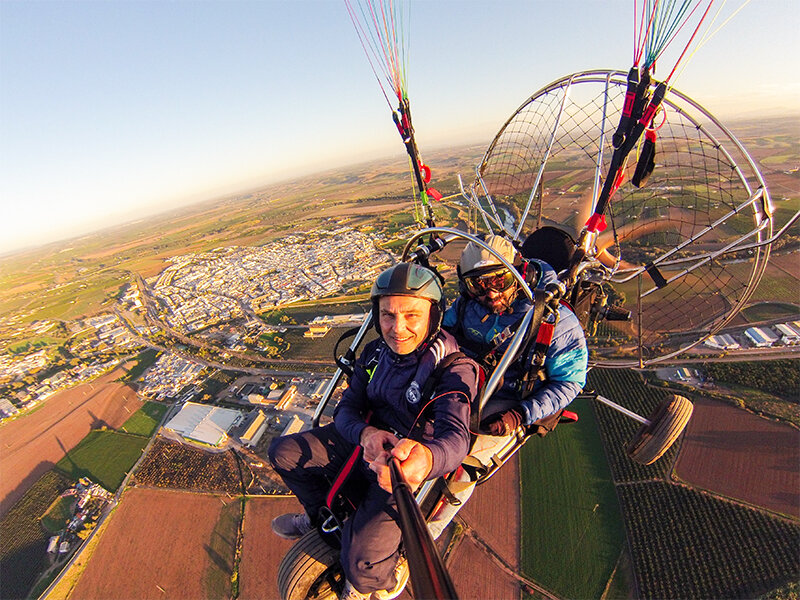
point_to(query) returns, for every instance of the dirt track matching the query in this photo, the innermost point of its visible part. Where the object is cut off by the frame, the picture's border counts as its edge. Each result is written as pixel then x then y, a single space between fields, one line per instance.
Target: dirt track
pixel 743 456
pixel 33 443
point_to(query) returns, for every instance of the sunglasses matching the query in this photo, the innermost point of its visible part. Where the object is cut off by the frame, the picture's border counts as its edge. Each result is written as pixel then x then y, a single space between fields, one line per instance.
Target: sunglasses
pixel 478 285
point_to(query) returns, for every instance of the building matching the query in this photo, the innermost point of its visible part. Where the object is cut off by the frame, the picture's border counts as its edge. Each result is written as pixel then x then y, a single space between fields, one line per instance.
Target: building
pixel 203 423
pixel 320 388
pixel 253 432
pixel 789 336
pixel 7 409
pixel 287 397
pixel 295 424
pixel 316 331
pixel 760 337
pixel 724 341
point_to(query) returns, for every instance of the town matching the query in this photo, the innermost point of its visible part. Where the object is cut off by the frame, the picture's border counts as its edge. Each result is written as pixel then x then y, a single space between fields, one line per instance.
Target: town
pixel 196 292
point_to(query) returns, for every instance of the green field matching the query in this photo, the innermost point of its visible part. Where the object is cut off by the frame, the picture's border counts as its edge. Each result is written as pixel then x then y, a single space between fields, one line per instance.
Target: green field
pixel 58 515
pixel 23 551
pixel 572 533
pixel 218 576
pixel 765 311
pixel 145 421
pixel 104 457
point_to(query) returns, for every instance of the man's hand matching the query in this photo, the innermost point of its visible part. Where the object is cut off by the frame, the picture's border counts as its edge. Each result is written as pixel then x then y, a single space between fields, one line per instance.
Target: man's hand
pixel 416 461
pixel 375 443
pixel 503 423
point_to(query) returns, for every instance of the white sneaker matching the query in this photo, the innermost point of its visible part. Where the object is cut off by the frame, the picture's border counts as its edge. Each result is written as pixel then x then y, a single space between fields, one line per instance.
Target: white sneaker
pixel 292 526
pixel 351 593
pixel 401 575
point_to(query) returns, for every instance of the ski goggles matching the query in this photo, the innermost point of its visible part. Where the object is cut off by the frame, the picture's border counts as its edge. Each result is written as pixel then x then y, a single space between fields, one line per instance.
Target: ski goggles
pixel 499 281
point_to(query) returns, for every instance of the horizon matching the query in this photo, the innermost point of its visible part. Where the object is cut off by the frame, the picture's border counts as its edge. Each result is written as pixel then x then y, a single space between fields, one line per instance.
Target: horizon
pixel 167 106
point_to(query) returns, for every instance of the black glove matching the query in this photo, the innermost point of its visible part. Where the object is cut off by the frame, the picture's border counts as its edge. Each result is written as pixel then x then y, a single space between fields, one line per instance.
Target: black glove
pixel 503 423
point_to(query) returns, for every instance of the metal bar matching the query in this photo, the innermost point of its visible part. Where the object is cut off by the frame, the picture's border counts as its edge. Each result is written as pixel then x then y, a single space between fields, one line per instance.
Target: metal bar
pixel 524 215
pixel 337 376
pixel 623 410
pixel 598 169
pixel 474 202
pixel 639 319
pixel 507 359
pixel 429 576
pixel 454 234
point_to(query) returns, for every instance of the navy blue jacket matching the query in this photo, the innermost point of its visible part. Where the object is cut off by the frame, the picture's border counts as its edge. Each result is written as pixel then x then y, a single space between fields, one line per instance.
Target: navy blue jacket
pixel 388 385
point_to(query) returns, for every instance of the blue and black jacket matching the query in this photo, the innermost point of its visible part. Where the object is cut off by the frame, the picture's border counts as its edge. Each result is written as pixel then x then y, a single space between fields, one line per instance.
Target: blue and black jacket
pixel 478 329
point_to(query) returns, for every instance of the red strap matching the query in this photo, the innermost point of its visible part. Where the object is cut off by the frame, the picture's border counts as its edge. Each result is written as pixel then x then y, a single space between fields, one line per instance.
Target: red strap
pixel 596 223
pixel 627 108
pixel 426 172
pixel 545 335
pixel 342 476
pixel 568 415
pixel 435 194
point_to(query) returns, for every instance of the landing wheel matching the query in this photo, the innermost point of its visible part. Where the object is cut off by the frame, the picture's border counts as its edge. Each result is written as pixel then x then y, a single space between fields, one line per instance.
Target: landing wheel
pixel 310 570
pixel 666 423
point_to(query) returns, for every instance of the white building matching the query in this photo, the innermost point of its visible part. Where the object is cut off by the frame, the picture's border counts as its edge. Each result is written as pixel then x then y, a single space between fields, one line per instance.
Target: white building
pixel 789 336
pixel 7 409
pixel 205 424
pixel 255 430
pixel 295 424
pixel 724 341
pixel 760 337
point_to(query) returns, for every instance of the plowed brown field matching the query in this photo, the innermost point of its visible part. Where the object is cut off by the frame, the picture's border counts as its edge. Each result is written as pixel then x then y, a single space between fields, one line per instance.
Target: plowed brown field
pixel 163 544
pixel 33 443
pixel 493 512
pixel 165 540
pixel 743 456
pixel 262 550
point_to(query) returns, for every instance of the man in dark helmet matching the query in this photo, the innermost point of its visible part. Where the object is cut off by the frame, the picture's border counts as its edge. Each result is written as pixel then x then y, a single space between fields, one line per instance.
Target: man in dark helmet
pixel 386 411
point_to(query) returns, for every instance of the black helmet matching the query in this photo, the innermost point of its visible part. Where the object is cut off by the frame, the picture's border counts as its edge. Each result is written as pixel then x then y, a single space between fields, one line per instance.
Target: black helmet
pixel 410 279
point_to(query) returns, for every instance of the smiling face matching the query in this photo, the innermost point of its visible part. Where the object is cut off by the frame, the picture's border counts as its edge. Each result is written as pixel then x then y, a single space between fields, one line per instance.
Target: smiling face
pixel 404 322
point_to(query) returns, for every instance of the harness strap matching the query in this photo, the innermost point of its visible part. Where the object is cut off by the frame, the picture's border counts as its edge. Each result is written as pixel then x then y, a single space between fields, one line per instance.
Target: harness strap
pixel 342 476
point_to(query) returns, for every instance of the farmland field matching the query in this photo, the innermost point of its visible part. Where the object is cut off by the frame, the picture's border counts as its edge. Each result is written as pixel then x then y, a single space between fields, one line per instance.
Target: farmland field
pixel 104 457
pixel 23 552
pixel 572 533
pixel 491 520
pixel 145 421
pixel 33 443
pixel 262 550
pixel 743 456
pixel 687 543
pixel 176 545
pixel 174 465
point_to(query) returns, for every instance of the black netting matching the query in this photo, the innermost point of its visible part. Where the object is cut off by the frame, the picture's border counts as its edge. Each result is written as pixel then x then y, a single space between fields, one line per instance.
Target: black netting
pixel 691 222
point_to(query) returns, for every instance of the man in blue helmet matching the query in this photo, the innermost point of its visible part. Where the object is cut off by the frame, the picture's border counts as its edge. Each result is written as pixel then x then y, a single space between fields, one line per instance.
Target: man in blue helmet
pixel 383 412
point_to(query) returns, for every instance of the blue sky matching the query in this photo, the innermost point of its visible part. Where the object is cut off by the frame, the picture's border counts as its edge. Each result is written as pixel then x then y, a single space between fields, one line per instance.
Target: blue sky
pixel 113 110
